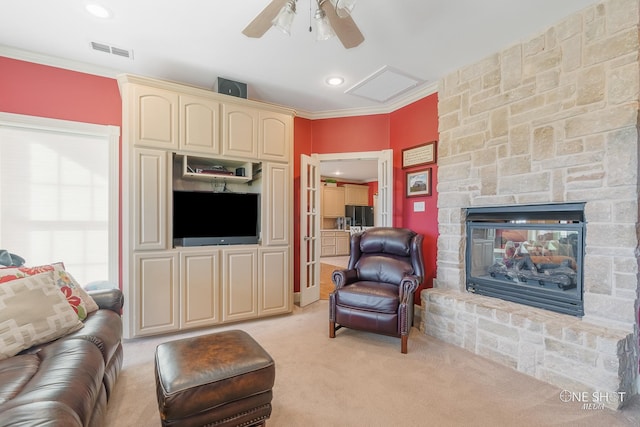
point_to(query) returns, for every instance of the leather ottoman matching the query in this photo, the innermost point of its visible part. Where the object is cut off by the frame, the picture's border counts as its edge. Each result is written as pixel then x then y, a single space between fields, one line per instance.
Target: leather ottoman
pixel 220 379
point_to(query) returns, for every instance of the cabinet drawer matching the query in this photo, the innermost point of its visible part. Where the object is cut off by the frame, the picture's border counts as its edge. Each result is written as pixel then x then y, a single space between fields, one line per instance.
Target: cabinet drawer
pixel 328 251
pixel 328 241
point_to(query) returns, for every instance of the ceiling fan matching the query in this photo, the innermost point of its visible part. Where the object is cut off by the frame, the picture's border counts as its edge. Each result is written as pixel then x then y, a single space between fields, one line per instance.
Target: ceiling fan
pixel 331 17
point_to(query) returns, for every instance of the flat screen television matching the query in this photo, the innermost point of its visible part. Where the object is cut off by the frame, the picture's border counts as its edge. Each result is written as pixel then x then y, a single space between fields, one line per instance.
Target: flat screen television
pixel 202 218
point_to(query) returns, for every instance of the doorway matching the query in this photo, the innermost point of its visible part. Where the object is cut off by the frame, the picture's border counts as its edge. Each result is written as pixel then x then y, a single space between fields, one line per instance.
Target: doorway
pixel 309 253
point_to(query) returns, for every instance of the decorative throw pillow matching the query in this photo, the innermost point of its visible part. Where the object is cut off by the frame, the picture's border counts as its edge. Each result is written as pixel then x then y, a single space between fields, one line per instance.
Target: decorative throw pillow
pixel 33 311
pixel 64 279
pixel 78 299
pixel 12 273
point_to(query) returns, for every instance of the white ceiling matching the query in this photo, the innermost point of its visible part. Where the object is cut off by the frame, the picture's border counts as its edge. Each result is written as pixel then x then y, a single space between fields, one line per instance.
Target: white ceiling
pixel 360 171
pixel 196 41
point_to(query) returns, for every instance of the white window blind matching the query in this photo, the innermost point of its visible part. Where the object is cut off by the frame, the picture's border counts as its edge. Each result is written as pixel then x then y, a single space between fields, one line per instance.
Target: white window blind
pixel 59 194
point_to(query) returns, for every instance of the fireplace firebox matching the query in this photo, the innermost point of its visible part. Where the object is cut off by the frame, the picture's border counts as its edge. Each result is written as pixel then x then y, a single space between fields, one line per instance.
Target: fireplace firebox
pixel 529 254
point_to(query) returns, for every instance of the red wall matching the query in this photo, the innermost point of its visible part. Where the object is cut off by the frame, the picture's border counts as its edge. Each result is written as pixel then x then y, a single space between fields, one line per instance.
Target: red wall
pixel 349 134
pixel 39 90
pixel 414 125
pixel 373 190
pixel 43 91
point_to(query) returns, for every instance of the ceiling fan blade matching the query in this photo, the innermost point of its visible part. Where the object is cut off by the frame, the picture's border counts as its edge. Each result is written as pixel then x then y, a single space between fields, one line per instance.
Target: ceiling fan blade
pixel 262 22
pixel 345 28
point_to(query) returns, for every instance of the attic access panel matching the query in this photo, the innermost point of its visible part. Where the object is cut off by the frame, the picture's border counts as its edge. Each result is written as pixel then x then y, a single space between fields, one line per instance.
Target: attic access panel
pixel 384 84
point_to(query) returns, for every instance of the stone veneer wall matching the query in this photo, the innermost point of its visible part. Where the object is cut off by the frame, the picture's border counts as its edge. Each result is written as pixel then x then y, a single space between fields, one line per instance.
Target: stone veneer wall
pixel 552 119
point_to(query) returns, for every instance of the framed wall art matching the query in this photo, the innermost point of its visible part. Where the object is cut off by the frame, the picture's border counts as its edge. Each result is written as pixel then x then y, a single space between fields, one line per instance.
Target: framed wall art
pixel 424 154
pixel 419 183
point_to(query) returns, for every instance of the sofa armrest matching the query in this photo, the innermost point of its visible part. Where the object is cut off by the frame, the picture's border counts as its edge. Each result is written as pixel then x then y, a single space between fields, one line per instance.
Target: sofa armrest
pixel 341 278
pixel 110 299
pixel 407 288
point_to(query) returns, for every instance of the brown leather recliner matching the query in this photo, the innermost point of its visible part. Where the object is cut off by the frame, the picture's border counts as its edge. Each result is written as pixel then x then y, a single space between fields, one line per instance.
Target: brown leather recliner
pixel 376 292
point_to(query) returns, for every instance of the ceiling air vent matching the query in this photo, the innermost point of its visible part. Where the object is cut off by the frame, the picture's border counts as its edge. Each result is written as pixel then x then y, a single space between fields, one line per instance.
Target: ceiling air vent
pixel 102 47
pixel 384 84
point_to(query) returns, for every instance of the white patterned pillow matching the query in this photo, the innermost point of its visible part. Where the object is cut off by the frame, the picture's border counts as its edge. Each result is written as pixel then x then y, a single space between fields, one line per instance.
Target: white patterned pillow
pixel 77 297
pixel 33 311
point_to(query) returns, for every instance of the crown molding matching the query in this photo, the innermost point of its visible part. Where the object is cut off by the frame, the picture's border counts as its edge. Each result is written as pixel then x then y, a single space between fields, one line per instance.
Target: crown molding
pixel 52 61
pixel 83 67
pixel 411 97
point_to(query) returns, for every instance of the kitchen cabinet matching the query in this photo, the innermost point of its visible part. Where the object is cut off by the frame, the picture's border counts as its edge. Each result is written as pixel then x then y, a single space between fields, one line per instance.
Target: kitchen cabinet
pixel 334 243
pixel 343 242
pixel 332 202
pixel 356 195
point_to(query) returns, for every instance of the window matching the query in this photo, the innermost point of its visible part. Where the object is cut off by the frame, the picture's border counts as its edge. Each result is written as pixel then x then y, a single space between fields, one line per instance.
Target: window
pixel 59 194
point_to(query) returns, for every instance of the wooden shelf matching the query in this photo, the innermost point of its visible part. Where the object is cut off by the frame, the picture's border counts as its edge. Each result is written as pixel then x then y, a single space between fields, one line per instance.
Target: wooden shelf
pixel 192 164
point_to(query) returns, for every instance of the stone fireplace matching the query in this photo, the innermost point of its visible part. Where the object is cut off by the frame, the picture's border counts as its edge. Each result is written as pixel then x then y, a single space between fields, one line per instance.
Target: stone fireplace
pixel 551 120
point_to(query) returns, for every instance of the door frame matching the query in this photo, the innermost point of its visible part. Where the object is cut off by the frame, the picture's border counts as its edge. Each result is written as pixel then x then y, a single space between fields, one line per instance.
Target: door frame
pixel 384 214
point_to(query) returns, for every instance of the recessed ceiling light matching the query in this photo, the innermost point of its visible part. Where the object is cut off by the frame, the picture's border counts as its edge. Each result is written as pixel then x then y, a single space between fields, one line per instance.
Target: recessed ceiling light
pixel 335 81
pixel 98 11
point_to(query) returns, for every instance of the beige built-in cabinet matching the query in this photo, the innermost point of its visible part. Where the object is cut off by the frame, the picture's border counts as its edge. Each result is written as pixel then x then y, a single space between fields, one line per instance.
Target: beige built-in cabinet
pixel 171 288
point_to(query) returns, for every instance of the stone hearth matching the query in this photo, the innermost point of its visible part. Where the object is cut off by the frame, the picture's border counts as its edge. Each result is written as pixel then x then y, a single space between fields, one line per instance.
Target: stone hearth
pixel 550 120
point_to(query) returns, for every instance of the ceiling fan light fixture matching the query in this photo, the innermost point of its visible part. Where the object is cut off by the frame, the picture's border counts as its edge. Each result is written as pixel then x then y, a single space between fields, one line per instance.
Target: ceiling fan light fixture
pixel 323 27
pixel 284 19
pixel 344 7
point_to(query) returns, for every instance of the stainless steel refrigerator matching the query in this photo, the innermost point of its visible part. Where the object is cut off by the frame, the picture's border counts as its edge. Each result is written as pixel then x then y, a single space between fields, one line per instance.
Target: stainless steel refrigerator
pixel 360 215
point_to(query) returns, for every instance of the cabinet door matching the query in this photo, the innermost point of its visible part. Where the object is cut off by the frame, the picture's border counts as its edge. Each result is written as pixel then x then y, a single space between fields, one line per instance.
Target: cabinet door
pixel 328 243
pixel 276 199
pixel 239 284
pixel 199 125
pixel 156 282
pixel 274 137
pixel 199 288
pixel 240 130
pixel 332 202
pixel 155 117
pixel 356 195
pixel 150 199
pixel 274 289
pixel 342 243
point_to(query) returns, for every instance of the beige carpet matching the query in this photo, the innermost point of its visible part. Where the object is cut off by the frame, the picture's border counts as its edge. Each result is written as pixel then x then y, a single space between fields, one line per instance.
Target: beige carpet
pixel 362 379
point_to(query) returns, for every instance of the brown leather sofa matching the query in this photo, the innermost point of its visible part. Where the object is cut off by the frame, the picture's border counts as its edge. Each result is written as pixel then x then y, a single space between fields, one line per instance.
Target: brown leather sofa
pixel 66 382
pixel 376 291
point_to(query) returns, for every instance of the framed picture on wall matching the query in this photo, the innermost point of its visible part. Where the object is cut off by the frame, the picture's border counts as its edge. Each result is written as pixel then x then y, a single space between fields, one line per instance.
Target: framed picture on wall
pixel 424 154
pixel 419 183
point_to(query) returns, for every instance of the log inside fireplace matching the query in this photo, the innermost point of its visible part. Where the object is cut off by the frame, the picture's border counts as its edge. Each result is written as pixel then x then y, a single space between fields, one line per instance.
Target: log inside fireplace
pixel 529 254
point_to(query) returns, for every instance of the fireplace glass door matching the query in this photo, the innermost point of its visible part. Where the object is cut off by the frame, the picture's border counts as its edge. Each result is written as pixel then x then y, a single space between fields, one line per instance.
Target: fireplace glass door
pixel 527 254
